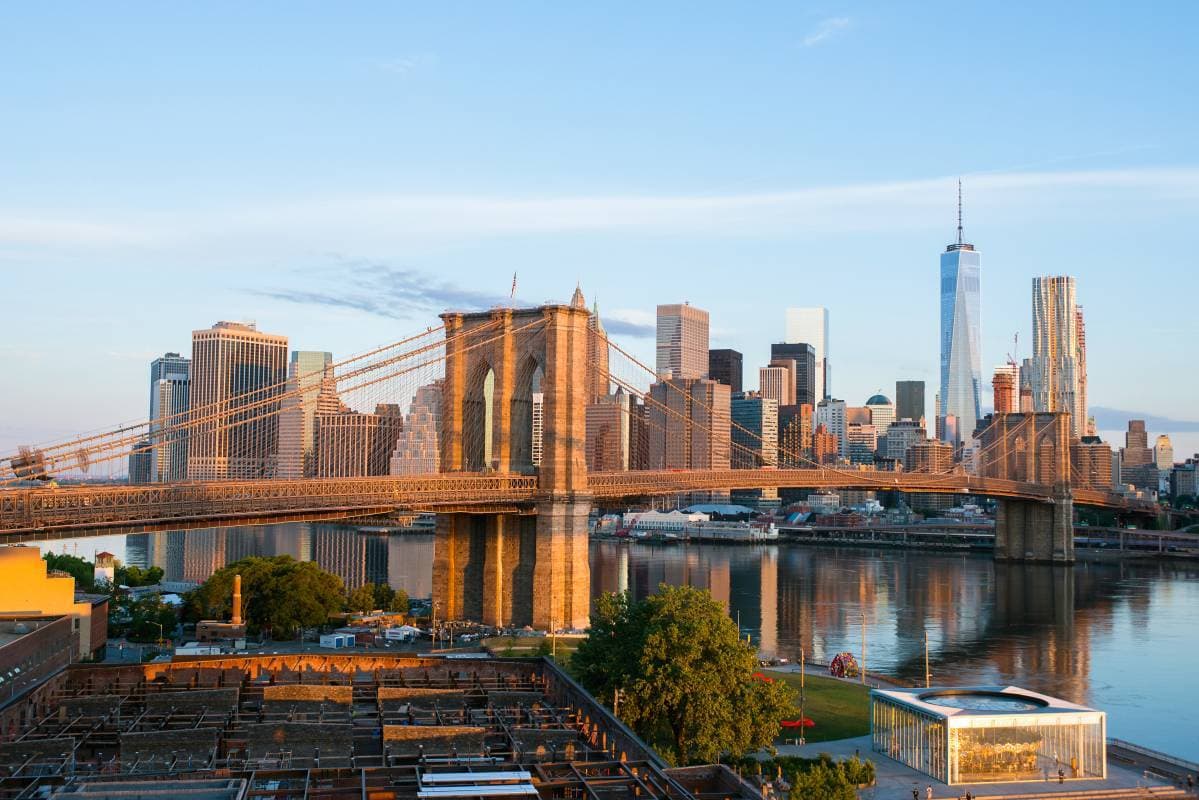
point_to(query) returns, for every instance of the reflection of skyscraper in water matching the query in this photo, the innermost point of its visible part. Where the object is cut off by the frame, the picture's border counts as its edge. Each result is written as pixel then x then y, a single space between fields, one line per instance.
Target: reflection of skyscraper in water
pixel 410 564
pixel 356 558
pixel 203 553
pixel 718 581
pixel 293 540
pixel 768 601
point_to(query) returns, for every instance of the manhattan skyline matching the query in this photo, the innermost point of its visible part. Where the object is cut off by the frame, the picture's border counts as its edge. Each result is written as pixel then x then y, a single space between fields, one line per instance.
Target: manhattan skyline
pixel 175 168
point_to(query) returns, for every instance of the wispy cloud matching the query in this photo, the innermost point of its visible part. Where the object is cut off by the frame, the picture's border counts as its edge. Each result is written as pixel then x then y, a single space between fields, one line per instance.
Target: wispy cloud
pixel 389 222
pixel 826 29
pixel 378 288
pixel 629 322
pixel 374 287
pixel 401 65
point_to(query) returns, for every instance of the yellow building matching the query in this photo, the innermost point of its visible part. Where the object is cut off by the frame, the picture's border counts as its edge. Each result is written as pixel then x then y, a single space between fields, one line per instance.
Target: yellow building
pixel 26 589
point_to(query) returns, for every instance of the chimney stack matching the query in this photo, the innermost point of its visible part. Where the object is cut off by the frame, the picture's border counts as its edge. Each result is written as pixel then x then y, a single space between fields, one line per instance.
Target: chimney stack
pixel 236 600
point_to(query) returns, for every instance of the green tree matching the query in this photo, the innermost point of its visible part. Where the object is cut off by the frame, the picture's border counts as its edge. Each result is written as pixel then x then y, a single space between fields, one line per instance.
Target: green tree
pixel 280 595
pixel 362 599
pixel 686 679
pixel 148 613
pixel 133 575
pixel 398 602
pixel 84 572
pixel 824 781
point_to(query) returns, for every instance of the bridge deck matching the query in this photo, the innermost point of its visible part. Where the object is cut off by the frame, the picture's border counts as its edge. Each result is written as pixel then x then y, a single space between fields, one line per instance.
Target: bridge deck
pixel 60 511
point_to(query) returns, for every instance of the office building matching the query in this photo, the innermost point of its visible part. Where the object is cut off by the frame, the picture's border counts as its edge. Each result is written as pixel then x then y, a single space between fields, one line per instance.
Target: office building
pixel 682 342
pixel 418 448
pixel 830 413
pixel 1056 372
pixel 1136 445
pixel 598 379
pixel 608 433
pixel 826 447
pixel 1184 478
pixel 1005 383
pixel 170 384
pixel 795 436
pixel 29 588
pixel 882 413
pixel 695 432
pixel 778 382
pixel 909 400
pixel 638 433
pixel 235 366
pixel 755 432
pixel 1090 464
pixel 900 437
pixel 929 456
pixel 1137 466
pixel 803 355
pixel 810 326
pixel 141 459
pixel 862 441
pixel 726 366
pixel 307 372
pixel 1163 453
pixel 961 332
pixel 1087 425
pixel 350 444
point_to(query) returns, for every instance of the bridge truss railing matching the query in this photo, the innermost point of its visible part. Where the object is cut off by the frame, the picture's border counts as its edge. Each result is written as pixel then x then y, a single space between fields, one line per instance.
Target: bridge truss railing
pixel 228 502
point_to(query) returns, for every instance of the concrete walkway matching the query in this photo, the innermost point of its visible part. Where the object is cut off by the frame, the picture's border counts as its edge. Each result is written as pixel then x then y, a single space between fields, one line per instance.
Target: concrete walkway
pixel 894 781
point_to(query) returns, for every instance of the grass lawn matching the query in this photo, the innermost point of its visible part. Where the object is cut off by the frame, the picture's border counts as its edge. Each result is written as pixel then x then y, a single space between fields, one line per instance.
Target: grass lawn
pixel 519 646
pixel 840 710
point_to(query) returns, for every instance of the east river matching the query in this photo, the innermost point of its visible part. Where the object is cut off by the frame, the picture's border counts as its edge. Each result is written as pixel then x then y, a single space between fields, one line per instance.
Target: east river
pixel 1119 636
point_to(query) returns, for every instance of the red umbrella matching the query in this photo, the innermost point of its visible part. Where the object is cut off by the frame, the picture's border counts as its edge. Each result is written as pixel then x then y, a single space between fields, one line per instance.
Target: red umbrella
pixel 798 723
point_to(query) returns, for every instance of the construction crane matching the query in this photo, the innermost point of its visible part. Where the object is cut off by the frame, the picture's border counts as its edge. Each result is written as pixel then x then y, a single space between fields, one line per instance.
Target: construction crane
pixel 1011 357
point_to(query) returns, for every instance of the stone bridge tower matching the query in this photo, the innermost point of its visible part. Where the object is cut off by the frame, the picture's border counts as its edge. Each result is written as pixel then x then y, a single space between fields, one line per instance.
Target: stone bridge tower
pixel 528 566
pixel 1031 448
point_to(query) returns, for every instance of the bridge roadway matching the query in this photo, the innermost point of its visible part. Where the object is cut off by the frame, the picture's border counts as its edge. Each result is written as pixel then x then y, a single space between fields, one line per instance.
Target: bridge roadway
pixel 63 511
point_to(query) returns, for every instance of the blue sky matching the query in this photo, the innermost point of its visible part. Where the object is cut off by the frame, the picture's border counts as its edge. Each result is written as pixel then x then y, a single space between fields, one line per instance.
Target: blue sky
pixel 341 174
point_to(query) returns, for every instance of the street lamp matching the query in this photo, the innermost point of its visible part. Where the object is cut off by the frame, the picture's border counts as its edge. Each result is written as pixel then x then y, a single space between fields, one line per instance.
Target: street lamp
pixel 863 648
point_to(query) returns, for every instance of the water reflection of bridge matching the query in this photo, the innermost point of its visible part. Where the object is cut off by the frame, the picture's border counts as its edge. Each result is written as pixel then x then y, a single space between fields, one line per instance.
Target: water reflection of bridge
pixel 986 621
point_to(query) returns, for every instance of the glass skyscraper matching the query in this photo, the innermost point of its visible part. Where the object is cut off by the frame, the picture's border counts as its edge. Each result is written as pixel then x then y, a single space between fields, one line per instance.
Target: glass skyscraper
pixel 961 331
pixel 170 384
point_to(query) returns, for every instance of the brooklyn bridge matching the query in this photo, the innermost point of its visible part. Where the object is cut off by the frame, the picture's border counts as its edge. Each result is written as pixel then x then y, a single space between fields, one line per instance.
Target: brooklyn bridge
pixel 509 481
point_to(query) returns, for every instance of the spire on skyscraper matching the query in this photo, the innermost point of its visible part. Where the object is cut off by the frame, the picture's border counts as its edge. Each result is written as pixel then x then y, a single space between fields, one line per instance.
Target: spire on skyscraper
pixel 961 243
pixel 577 300
pixel 959 210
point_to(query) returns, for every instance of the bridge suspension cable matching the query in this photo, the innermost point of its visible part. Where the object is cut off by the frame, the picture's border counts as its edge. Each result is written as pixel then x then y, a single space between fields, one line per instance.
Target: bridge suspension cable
pixel 224 416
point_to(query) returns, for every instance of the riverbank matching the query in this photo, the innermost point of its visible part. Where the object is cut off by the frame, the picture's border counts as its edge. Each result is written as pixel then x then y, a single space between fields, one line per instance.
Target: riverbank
pixel 1090 544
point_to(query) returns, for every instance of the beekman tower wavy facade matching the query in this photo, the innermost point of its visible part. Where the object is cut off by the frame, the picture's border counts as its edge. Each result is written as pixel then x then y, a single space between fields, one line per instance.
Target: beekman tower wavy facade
pixel 961 331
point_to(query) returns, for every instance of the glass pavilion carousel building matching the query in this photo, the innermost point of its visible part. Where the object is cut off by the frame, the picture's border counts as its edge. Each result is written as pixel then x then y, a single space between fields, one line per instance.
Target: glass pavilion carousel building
pixel 988 734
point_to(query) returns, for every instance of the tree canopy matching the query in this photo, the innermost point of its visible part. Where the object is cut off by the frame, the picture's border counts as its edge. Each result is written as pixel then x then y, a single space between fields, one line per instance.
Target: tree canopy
pixel 83 571
pixel 133 575
pixel 280 595
pixel 380 596
pixel 687 680
pixel 140 618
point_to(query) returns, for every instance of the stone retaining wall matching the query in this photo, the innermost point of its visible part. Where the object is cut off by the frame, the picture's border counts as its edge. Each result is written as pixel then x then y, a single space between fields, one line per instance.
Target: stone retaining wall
pixel 407 740
pixel 199 743
pixel 300 738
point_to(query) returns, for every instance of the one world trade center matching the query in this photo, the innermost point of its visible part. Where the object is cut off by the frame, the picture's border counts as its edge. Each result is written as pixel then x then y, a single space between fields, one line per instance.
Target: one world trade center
pixel 961 329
